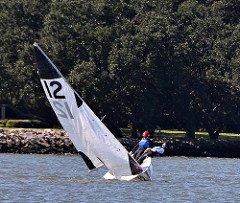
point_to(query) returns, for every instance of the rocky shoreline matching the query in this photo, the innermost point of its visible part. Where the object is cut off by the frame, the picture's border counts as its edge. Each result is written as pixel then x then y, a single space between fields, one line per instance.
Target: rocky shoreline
pixel 25 141
pixel 49 141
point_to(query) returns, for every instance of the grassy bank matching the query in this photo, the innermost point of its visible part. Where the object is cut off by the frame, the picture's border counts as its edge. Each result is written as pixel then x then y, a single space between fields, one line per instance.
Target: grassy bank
pixel 170 133
pixel 173 133
pixel 180 134
pixel 22 123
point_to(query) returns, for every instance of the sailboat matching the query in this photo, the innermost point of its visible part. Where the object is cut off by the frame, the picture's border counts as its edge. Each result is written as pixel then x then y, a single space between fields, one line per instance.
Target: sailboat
pixel 95 143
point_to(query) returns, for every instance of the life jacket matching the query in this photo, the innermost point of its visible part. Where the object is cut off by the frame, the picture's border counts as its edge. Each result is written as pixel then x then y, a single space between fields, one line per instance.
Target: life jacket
pixel 145 143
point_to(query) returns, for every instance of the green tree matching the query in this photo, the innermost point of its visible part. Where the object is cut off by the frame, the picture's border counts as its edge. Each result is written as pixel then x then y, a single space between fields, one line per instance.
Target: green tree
pixel 80 35
pixel 21 22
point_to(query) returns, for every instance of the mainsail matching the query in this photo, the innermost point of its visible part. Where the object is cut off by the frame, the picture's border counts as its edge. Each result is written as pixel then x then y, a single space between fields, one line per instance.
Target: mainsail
pixel 94 142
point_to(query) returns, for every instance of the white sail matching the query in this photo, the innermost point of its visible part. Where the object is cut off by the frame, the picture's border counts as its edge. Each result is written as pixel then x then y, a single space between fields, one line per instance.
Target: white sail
pixel 89 135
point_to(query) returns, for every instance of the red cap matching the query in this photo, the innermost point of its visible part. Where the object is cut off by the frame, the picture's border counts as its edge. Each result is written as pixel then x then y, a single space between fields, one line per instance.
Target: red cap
pixel 146 134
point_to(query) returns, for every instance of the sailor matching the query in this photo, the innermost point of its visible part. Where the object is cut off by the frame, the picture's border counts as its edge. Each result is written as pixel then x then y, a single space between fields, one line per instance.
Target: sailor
pixel 144 143
pixel 152 152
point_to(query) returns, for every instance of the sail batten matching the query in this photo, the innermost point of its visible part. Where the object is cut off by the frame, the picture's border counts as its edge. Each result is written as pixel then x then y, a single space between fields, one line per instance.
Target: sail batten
pixel 93 140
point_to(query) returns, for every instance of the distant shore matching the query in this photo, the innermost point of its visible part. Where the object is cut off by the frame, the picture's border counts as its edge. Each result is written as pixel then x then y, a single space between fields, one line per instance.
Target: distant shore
pixel 54 141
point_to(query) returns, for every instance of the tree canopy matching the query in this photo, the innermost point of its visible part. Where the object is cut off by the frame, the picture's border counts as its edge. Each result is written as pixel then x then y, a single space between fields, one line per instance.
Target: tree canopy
pixel 148 64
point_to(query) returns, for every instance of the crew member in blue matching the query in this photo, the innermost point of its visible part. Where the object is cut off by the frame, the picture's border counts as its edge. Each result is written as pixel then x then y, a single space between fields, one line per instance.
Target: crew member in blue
pixel 152 152
pixel 144 143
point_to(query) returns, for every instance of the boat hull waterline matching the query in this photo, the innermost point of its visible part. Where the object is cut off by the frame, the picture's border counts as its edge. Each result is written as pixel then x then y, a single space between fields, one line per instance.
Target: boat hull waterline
pixel 146 175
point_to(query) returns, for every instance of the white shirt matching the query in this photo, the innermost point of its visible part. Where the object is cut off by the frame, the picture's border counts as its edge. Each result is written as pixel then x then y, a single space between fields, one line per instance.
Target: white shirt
pixel 158 149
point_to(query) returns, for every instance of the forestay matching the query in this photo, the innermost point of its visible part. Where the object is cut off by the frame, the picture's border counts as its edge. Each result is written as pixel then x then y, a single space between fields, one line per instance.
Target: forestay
pixel 89 135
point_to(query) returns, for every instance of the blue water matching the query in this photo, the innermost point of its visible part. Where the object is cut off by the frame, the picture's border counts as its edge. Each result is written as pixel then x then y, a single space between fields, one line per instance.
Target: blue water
pixel 51 178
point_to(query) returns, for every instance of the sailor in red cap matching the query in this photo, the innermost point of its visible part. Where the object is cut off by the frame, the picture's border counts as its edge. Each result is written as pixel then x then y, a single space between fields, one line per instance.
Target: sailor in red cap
pixel 144 143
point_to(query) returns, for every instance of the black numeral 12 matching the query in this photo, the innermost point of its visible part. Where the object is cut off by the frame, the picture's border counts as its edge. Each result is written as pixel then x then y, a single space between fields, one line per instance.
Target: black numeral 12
pixel 62 109
pixel 56 91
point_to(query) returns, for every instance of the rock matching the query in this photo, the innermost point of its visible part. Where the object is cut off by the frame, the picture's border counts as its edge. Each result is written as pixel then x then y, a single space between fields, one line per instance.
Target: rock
pixel 57 142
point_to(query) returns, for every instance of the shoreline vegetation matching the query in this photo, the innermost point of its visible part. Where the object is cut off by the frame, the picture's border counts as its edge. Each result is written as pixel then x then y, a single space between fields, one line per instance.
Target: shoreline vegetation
pixel 148 64
pixel 55 141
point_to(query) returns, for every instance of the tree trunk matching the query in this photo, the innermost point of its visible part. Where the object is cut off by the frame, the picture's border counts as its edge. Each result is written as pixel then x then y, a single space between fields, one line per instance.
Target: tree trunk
pixel 134 131
pixel 190 134
pixel 214 135
pixel 191 129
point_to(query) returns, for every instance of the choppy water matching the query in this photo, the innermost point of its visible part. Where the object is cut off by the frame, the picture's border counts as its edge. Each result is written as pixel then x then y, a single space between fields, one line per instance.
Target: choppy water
pixel 51 178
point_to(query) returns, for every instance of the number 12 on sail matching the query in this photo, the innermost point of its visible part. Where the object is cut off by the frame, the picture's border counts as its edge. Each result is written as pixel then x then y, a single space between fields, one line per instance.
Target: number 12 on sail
pixel 58 101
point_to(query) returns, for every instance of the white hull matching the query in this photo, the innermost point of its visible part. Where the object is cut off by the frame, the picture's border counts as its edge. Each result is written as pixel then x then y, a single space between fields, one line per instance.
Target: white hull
pixel 146 175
